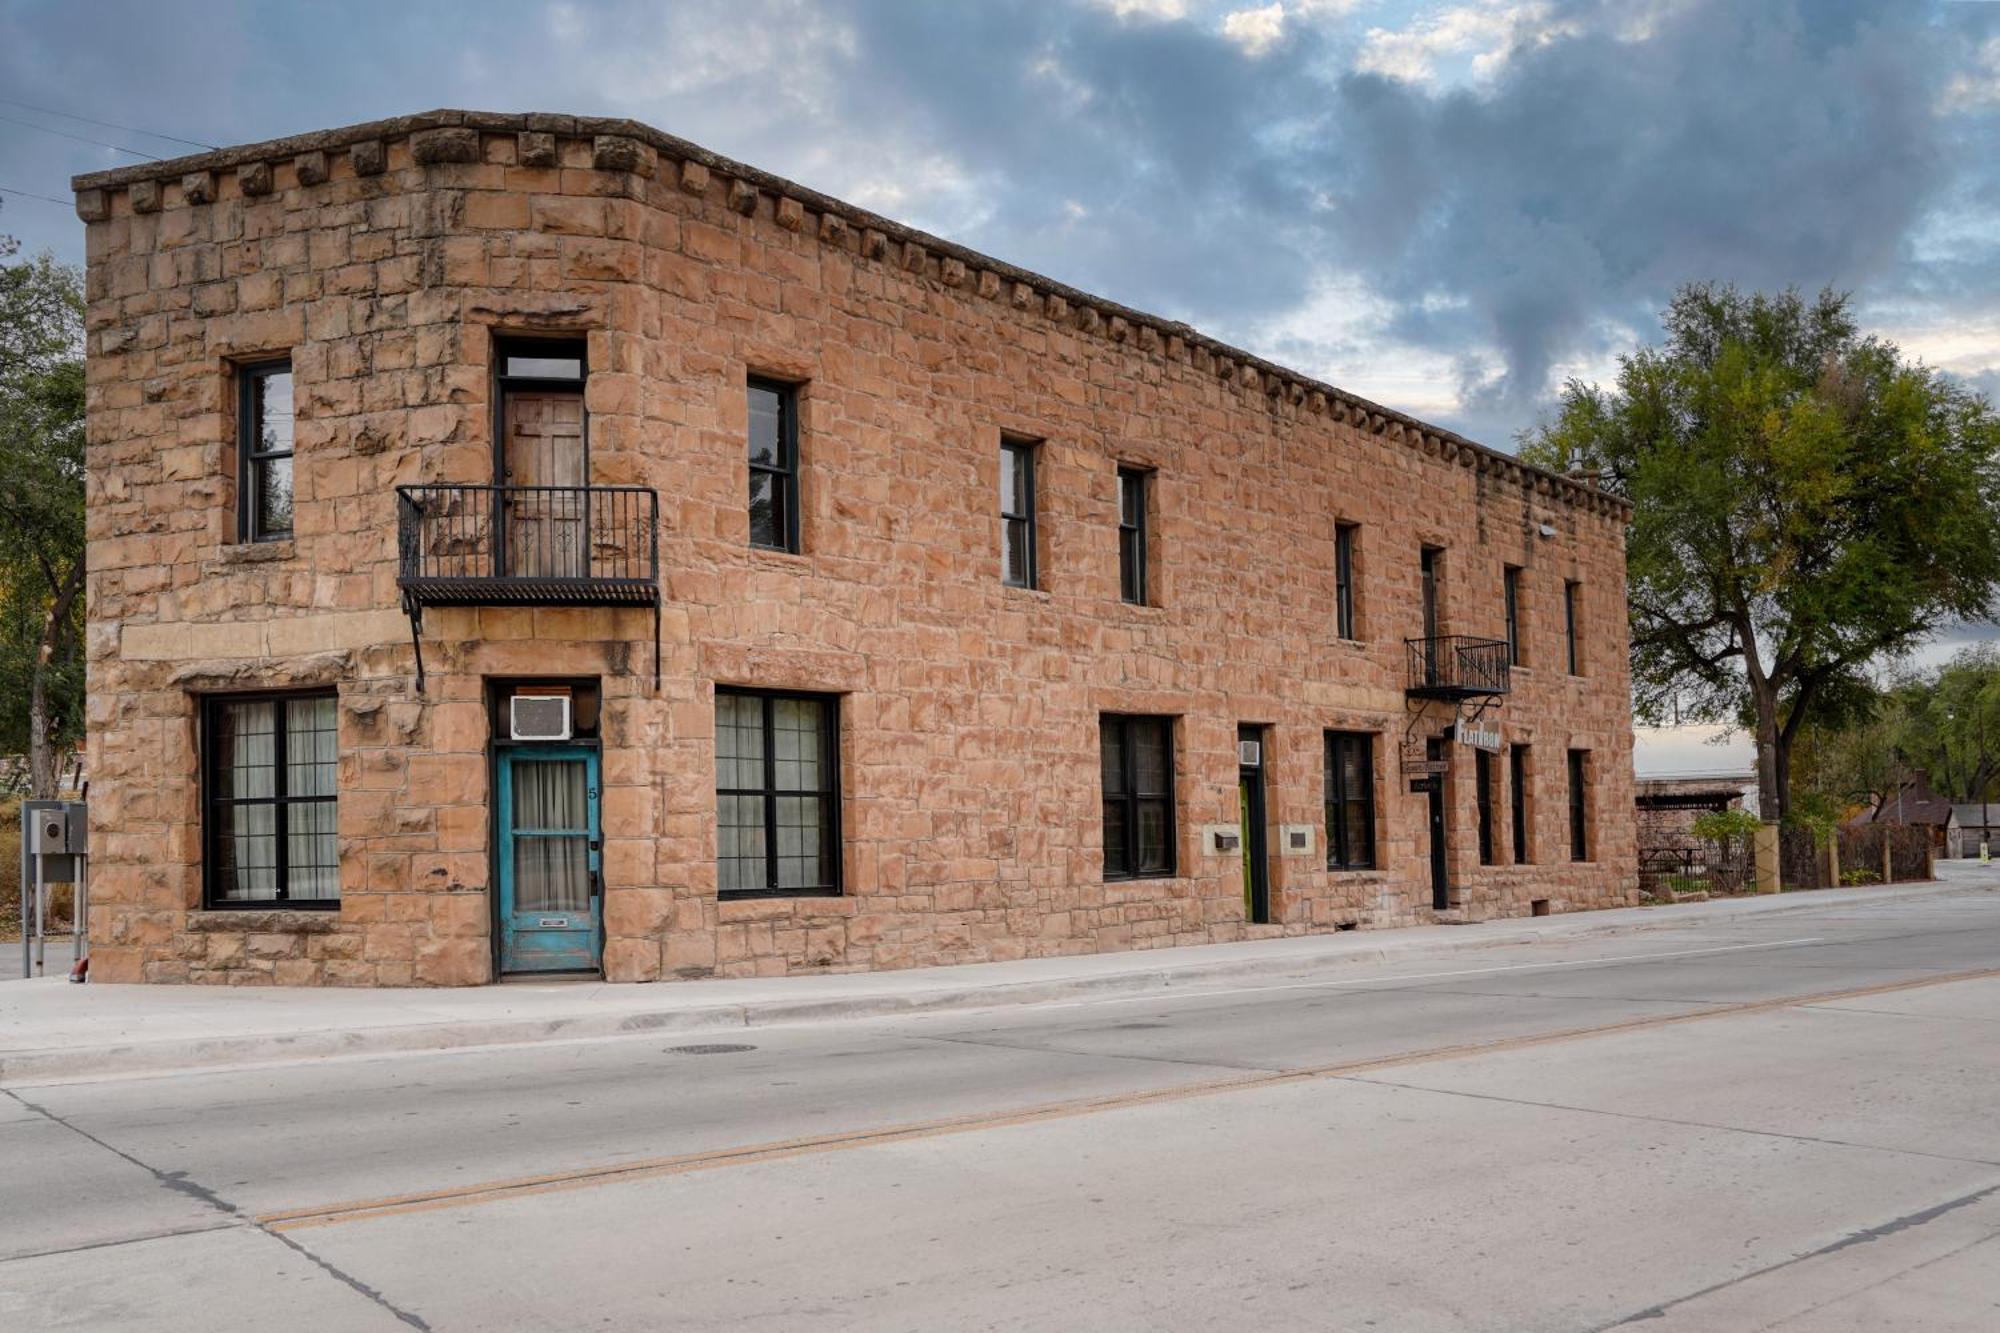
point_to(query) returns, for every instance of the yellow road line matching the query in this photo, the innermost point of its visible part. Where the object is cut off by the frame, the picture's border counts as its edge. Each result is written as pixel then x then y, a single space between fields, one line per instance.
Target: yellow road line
pixel 357 1210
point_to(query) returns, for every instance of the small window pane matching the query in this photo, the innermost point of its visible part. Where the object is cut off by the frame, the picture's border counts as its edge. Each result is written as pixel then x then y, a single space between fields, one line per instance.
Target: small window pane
pixel 1149 755
pixel 767 427
pixel 273 480
pixel 544 367
pixel 247 744
pixel 1153 838
pixel 249 851
pixel 274 412
pixel 313 851
pixel 1115 864
pixel 1016 539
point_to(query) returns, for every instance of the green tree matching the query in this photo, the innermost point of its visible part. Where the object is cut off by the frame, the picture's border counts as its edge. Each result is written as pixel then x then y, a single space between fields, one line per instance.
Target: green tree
pixel 1864 763
pixel 41 511
pixel 1951 725
pixel 1806 505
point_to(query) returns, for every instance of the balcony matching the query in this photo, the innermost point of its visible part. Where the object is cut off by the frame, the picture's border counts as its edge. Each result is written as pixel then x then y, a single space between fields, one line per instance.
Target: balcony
pixel 527 546
pixel 1455 667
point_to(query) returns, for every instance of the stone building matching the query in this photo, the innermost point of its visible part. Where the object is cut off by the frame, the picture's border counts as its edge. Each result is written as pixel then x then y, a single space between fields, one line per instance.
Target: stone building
pixel 525 543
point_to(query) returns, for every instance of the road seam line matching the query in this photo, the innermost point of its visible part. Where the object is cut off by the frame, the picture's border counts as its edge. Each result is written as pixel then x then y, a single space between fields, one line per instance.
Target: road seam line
pixel 711 1159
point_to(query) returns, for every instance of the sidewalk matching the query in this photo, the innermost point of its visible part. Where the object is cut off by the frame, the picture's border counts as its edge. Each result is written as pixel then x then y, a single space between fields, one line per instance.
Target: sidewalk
pixel 53 1031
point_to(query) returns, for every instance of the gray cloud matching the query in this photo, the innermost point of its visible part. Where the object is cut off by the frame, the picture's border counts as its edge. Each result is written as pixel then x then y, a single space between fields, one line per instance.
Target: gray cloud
pixel 1521 220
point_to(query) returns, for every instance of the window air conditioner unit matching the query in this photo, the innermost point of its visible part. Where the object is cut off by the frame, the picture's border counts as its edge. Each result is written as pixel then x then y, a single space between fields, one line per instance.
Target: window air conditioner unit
pixel 1249 754
pixel 538 717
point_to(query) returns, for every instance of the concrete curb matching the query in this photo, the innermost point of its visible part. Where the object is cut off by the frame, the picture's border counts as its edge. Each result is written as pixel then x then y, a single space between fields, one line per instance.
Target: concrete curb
pixel 185 1055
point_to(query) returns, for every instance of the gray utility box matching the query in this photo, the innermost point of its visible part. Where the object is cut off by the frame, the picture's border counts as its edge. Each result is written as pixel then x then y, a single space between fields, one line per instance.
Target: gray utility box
pixel 55 833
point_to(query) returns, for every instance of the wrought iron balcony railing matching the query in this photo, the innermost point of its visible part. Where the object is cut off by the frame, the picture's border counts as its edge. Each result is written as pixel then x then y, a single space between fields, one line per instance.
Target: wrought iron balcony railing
pixel 468 545
pixel 1457 666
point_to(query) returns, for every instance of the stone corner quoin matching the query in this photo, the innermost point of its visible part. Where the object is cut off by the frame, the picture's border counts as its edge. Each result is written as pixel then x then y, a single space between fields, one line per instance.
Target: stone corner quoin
pixel 928 762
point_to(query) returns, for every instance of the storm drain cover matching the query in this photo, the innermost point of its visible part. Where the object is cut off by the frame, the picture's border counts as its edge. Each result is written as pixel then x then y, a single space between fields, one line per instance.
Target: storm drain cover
pixel 711 1048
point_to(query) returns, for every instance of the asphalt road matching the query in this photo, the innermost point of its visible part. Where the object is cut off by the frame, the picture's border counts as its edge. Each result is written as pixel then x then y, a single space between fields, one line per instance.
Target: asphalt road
pixel 1792 1122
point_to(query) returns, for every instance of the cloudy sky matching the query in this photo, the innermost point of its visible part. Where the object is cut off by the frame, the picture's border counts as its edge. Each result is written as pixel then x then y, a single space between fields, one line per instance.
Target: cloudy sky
pixel 1450 206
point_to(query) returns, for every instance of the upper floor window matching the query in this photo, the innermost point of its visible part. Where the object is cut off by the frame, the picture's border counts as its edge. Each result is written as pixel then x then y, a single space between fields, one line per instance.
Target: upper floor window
pixel 774 465
pixel 1017 513
pixel 1350 800
pixel 1138 756
pixel 270 762
pixel 777 807
pixel 1132 488
pixel 264 446
pixel 1429 567
pixel 1344 535
pixel 1572 612
pixel 1510 579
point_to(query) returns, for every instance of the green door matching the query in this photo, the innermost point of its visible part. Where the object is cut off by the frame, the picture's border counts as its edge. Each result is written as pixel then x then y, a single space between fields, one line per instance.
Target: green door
pixel 551 888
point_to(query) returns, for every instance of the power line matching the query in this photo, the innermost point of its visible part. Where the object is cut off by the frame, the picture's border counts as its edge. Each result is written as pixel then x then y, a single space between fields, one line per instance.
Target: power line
pixel 45 198
pixel 106 124
pixel 65 134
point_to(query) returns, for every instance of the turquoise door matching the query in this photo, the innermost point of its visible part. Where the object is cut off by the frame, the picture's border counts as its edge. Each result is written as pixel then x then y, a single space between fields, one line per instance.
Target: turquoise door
pixel 551 891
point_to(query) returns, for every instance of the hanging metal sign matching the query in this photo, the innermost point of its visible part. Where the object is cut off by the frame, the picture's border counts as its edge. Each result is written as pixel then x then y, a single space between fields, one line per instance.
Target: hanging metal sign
pixel 1478 737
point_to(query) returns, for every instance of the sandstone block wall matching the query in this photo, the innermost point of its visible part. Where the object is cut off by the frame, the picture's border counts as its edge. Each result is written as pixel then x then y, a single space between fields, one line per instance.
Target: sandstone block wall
pixel 385 258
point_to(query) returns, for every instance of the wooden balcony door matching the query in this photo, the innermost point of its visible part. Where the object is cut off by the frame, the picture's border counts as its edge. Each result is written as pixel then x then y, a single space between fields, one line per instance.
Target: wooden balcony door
pixel 547 531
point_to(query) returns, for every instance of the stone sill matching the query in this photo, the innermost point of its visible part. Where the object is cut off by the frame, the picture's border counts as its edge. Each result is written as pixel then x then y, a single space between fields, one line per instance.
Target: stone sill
pixel 266 921
pixel 256 553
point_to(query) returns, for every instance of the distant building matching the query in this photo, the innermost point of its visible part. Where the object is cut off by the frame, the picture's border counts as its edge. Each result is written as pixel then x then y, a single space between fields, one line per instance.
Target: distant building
pixel 1920 807
pixel 1667 808
pixel 1973 825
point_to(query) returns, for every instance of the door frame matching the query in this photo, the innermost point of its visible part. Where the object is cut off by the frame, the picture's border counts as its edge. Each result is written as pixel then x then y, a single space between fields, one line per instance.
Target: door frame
pixel 504 756
pixel 1437 822
pixel 506 344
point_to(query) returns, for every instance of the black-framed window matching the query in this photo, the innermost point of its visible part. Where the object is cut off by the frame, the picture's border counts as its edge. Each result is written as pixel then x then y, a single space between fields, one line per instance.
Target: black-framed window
pixel 1572 593
pixel 264 450
pixel 777 793
pixel 1133 483
pixel 1344 535
pixel 1482 772
pixel 1350 800
pixel 1517 793
pixel 774 465
pixel 1579 805
pixel 1017 513
pixel 1510 581
pixel 1138 755
pixel 269 767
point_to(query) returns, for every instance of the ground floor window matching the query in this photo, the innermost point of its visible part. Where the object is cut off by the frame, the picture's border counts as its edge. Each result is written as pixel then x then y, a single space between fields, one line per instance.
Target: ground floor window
pixel 1350 800
pixel 777 811
pixel 1138 757
pixel 270 768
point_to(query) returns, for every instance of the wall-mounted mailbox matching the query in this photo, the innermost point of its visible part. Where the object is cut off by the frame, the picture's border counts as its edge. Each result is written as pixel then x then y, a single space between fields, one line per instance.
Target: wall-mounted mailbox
pixel 1221 840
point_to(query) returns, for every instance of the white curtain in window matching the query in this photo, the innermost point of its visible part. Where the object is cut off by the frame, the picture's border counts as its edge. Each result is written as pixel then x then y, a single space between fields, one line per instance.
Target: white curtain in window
pixel 551 836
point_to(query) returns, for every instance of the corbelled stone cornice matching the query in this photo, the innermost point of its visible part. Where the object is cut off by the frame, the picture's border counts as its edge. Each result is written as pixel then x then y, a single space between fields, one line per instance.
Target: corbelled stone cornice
pixel 447 136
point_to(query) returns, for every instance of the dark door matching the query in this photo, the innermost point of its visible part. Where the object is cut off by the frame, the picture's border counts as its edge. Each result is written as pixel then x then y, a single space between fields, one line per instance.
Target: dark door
pixel 1440 882
pixel 1250 805
pixel 543 465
